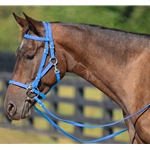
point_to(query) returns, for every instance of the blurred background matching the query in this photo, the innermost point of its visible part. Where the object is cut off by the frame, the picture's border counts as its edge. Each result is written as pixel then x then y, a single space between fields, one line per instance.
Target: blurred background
pixel 65 99
pixel 130 18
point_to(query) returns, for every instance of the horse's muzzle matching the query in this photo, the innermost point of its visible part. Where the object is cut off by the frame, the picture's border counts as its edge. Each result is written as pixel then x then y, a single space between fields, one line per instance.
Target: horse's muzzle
pixel 17 114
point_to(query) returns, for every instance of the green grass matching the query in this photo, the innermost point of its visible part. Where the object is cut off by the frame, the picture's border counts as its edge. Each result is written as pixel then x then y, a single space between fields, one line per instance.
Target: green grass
pixel 8 136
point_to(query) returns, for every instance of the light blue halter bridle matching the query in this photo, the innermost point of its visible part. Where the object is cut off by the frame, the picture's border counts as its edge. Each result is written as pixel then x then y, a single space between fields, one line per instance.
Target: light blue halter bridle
pixel 49 49
pixel 33 87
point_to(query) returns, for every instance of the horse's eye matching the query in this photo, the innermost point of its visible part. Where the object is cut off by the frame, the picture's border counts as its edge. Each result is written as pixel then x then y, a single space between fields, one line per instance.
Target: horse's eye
pixel 29 57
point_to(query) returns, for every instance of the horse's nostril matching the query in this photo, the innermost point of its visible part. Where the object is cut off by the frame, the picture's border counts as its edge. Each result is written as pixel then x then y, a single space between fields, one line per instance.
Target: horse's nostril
pixel 11 109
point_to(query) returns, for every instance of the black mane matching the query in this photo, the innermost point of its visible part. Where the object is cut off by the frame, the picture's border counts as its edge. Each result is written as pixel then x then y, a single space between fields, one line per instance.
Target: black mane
pixel 101 27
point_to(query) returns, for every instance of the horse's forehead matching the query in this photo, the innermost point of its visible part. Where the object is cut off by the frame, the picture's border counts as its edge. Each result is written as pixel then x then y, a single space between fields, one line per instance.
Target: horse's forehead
pixel 22 46
pixel 26 43
pixel 22 43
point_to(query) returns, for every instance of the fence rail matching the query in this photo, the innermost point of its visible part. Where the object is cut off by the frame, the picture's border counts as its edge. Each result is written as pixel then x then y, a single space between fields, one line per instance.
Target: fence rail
pixel 77 103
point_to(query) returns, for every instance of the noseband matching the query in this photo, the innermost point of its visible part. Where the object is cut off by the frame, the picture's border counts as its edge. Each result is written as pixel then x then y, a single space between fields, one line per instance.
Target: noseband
pixel 33 88
pixel 49 49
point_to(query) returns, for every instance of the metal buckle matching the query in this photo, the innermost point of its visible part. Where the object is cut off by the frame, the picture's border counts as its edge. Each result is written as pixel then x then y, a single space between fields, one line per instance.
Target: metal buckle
pixel 29 90
pixel 53 60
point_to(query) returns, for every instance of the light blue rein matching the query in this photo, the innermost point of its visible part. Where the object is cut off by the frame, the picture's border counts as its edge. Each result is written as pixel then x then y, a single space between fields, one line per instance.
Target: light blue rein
pixel 33 87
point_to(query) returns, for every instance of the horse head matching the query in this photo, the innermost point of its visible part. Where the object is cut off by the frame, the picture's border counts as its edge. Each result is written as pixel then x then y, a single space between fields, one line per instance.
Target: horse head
pixel 19 101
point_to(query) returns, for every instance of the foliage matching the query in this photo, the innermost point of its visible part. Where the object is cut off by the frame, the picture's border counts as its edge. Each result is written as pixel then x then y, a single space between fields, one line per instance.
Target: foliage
pixel 129 18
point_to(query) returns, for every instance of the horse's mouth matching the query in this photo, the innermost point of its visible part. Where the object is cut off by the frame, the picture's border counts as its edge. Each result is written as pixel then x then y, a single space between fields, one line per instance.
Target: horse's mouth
pixel 26 112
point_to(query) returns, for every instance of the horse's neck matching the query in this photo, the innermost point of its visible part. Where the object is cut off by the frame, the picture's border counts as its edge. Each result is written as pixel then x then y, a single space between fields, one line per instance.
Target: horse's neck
pixel 103 58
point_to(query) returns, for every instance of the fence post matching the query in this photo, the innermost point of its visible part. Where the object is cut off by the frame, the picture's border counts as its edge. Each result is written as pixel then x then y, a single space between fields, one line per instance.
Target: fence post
pixel 79 111
pixel 54 107
pixel 107 116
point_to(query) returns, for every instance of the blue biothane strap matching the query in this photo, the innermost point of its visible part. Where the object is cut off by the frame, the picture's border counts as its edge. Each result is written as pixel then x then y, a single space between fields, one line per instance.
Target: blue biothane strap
pixel 27 36
pixel 83 125
pixel 25 86
pixel 75 138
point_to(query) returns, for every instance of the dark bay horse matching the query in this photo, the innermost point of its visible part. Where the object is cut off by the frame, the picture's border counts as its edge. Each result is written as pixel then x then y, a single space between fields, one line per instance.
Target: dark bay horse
pixel 116 62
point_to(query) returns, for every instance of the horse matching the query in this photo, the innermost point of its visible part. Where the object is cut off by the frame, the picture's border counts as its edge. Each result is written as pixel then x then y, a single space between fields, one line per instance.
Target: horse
pixel 114 61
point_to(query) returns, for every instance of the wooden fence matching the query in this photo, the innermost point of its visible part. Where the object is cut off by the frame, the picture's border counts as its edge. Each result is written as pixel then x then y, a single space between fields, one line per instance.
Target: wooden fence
pixel 73 99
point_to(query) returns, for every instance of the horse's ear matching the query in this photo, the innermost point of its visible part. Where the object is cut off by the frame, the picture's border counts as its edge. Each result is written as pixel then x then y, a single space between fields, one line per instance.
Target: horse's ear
pixel 21 22
pixel 34 25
